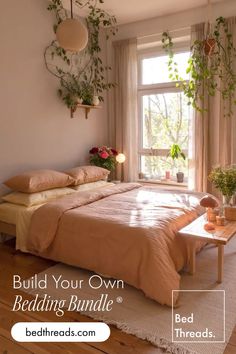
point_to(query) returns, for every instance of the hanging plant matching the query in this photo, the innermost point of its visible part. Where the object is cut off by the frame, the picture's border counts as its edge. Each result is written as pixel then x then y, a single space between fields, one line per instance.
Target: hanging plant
pixel 210 67
pixel 81 75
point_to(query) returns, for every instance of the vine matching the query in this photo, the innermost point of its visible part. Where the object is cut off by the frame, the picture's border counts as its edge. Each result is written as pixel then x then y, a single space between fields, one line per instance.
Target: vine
pixel 210 70
pixel 81 75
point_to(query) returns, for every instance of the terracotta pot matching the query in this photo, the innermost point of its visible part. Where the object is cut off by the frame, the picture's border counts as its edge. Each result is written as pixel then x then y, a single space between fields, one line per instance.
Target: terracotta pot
pixel 209 46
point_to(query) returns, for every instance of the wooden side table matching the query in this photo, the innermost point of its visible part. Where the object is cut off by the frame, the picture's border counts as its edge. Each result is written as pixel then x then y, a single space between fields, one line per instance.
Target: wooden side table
pixel 220 237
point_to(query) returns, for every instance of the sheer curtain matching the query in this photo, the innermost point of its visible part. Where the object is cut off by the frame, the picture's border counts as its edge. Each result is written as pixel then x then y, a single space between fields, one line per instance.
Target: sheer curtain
pixel 214 134
pixel 125 120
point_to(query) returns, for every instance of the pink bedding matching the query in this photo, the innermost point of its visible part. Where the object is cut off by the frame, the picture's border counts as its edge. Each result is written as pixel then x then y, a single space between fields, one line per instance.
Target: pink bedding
pixel 125 231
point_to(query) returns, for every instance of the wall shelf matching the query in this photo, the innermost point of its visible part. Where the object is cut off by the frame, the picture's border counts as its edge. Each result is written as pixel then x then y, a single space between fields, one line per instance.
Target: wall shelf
pixel 86 107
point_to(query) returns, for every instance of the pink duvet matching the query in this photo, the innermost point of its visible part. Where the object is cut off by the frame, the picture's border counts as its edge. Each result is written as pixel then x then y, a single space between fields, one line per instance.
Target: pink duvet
pixel 125 231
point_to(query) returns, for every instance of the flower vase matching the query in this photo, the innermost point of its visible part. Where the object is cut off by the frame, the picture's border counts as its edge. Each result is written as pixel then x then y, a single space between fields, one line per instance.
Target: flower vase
pixel 227 200
pixel 96 100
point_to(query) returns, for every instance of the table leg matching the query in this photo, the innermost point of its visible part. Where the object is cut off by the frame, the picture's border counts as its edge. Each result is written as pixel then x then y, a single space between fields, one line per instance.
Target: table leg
pixel 220 262
pixel 192 263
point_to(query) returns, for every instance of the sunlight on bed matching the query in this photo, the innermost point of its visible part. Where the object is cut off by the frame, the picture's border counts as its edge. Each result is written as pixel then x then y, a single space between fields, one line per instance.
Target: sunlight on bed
pixel 153 205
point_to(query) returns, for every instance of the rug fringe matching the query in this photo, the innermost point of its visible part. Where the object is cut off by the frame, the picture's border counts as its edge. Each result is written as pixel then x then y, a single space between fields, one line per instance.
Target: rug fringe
pixel 162 343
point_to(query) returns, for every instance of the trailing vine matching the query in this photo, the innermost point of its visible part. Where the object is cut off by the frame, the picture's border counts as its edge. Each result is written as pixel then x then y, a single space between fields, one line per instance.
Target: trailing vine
pixel 82 75
pixel 209 72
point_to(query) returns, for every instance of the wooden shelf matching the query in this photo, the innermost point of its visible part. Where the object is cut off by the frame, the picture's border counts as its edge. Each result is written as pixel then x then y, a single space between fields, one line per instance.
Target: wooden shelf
pixel 86 107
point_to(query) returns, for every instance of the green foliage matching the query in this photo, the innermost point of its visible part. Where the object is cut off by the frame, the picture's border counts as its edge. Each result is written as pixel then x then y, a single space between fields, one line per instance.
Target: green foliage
pixel 82 75
pixel 176 152
pixel 107 161
pixel 70 90
pixel 224 179
pixel 87 93
pixel 208 74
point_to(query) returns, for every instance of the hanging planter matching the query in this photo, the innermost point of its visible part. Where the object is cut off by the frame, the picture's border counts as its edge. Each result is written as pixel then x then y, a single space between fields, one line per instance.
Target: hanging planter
pixel 210 76
pixel 209 46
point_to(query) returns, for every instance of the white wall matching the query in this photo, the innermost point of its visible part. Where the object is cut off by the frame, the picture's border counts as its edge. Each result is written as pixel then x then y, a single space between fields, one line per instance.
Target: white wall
pixel 36 130
pixel 180 20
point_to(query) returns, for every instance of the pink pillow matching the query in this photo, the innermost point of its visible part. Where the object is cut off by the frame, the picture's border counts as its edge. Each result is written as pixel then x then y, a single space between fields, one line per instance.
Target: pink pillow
pixel 87 174
pixel 38 180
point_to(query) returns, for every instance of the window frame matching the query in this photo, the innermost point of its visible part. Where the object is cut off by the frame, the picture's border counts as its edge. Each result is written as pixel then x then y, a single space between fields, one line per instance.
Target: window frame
pixel 149 89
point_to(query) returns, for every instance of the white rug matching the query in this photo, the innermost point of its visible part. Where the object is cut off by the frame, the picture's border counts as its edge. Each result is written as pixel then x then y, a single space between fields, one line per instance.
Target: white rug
pixel 146 319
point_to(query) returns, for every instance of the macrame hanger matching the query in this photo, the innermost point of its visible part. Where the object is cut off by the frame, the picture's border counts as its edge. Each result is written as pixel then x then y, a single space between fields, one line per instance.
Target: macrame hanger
pixel 71 8
pixel 209 17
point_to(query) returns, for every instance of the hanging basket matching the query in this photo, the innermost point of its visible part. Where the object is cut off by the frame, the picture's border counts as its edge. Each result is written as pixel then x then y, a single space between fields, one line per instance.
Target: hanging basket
pixel 209 46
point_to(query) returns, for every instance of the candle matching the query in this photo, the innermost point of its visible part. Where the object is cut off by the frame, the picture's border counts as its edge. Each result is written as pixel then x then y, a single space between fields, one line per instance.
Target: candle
pixel 220 220
pixel 167 174
pixel 211 214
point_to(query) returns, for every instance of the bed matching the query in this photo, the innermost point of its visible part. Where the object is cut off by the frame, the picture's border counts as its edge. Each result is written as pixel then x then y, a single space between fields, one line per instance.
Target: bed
pixel 124 231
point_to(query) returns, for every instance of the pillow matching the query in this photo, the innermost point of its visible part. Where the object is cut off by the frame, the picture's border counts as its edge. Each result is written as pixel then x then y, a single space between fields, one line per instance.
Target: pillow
pixel 39 180
pixel 36 198
pixel 87 174
pixel 91 185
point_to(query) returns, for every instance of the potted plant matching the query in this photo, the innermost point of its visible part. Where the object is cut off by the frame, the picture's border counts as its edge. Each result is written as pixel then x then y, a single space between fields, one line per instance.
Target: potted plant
pixel 71 91
pixel 104 157
pixel 224 179
pixel 82 75
pixel 176 153
pixel 87 93
pixel 210 66
pixel 209 45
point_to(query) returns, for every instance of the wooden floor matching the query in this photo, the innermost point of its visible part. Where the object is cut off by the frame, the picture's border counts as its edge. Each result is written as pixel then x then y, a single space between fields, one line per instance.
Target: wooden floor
pixel 12 262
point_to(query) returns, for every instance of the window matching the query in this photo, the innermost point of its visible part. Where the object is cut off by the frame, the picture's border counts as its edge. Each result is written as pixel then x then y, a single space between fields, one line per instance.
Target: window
pixel 164 116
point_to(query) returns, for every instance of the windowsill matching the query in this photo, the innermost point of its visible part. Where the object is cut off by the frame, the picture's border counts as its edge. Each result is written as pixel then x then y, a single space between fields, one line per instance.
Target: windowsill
pixel 164 182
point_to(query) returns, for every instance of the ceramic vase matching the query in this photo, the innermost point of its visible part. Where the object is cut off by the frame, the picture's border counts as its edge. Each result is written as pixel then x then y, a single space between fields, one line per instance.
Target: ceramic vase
pixel 96 101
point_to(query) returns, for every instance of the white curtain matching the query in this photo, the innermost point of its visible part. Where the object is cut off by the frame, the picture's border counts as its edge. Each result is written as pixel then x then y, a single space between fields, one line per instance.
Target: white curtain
pixel 125 120
pixel 214 134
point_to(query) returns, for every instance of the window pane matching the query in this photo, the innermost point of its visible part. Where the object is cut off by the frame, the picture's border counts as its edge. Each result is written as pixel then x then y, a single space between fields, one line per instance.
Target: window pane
pixel 165 121
pixel 156 166
pixel 155 70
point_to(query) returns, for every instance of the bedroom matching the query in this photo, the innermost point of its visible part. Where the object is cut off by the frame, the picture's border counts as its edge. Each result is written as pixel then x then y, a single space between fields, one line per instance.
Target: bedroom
pixel 162 148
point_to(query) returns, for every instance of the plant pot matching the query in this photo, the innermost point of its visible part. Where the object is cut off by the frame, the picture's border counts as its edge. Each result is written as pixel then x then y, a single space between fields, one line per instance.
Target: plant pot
pixel 209 46
pixel 180 177
pixel 96 101
pixel 80 100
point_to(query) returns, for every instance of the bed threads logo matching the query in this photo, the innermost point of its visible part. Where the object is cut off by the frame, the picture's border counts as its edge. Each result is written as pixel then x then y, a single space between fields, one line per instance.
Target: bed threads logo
pixel 182 333
pixel 45 302
pixel 205 323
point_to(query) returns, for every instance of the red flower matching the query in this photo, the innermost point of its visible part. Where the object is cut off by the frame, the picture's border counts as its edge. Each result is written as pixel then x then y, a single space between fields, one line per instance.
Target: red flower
pixel 104 155
pixel 114 152
pixel 93 151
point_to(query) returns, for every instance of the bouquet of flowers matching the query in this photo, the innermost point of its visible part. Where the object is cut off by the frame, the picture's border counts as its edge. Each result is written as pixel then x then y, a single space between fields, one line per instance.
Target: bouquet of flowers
pixel 224 179
pixel 104 157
